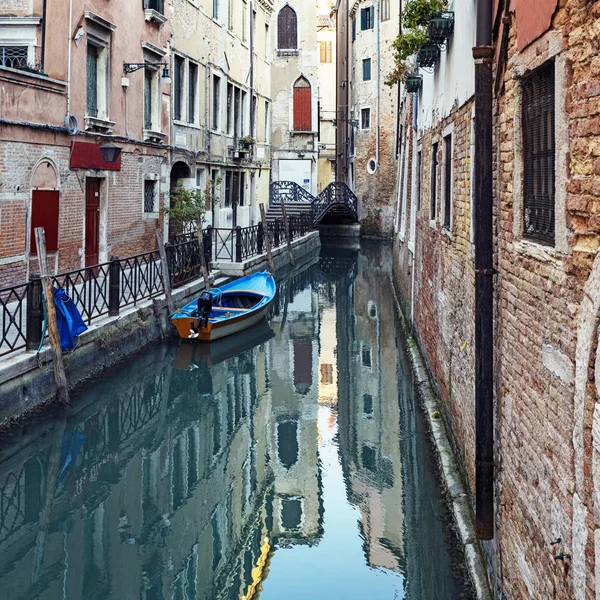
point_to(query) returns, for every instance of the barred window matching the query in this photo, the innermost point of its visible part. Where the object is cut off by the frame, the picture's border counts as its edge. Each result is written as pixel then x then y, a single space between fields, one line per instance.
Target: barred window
pixel 538 155
pixel 14 57
pixel 149 196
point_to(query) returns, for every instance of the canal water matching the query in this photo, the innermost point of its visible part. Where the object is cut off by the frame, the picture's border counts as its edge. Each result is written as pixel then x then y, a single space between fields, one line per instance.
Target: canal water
pixel 289 463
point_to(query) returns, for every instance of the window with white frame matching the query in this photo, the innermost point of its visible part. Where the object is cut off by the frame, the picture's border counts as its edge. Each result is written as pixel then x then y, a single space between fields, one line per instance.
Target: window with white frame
pixel 98 35
pixel 151 100
pixel 230 15
pixel 192 85
pixel 178 87
pixel 229 115
pixel 18 43
pixel 216 103
pixel 244 18
pixel 267 41
pixel 266 122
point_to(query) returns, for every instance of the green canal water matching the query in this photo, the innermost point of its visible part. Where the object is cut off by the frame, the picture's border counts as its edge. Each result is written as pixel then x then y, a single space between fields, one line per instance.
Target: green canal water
pixel 291 462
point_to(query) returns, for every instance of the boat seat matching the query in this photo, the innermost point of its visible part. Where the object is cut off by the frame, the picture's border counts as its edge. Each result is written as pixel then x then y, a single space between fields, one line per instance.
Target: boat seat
pixel 227 308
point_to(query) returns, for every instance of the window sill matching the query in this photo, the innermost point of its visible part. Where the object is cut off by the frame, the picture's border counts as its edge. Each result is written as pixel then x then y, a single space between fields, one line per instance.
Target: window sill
pixel 539 251
pixel 433 223
pixel 153 136
pixel 186 124
pixel 287 52
pixel 216 21
pixel 97 124
pixel 298 132
pixel 447 232
pixel 154 16
pixel 153 216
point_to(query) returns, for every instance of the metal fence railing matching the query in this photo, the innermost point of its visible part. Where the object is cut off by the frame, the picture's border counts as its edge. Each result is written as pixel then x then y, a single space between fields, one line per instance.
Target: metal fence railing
pixel 105 288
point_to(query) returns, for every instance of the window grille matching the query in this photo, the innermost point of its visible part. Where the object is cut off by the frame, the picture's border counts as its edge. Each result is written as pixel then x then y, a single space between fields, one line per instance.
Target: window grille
pixel 366 69
pixel 434 165
pixel 149 195
pixel 447 180
pixel 365 118
pixel 147 99
pixel 14 57
pixel 92 81
pixel 538 155
pixel 287 29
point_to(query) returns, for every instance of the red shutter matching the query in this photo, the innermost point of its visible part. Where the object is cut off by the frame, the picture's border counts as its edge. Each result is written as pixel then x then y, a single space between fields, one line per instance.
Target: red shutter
pixel 302 109
pixel 44 213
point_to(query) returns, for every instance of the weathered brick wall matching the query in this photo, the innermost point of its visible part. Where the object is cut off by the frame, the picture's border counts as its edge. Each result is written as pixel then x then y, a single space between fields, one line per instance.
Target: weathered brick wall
pixel 127 232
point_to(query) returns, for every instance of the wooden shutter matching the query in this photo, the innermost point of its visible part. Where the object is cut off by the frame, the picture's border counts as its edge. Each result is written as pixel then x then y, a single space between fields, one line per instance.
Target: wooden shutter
pixel 302 106
pixel 372 17
pixel 363 19
pixel 287 29
pixel 44 213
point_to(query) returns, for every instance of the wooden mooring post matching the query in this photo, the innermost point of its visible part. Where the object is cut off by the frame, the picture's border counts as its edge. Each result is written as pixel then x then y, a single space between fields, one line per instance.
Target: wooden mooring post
pixel 286 226
pixel 164 274
pixel 267 238
pixel 60 377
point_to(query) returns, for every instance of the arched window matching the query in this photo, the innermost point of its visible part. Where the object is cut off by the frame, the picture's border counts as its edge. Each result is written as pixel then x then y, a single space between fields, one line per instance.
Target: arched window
pixel 302 105
pixel 287 29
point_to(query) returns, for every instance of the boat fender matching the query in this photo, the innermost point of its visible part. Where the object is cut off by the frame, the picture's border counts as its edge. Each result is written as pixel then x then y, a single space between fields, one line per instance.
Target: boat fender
pixel 227 314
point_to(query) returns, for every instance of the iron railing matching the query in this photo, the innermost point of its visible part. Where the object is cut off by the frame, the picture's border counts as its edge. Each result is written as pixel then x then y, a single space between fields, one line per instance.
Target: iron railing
pixel 105 288
pixel 288 191
pixel 13 303
pixel 337 195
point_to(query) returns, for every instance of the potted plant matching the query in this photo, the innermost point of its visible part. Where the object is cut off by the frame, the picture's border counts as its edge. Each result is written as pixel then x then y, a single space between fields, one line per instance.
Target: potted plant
pixel 246 142
pixel 440 27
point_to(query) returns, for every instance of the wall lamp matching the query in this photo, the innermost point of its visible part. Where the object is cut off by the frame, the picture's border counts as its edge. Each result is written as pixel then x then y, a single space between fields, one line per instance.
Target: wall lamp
pixel 131 67
pixel 110 152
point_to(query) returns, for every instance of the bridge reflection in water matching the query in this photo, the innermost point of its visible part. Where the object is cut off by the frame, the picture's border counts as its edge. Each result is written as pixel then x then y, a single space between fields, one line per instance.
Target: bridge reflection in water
pixel 288 463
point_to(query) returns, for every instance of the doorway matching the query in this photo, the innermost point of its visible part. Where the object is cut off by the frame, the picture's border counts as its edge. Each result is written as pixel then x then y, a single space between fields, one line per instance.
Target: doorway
pixel 92 221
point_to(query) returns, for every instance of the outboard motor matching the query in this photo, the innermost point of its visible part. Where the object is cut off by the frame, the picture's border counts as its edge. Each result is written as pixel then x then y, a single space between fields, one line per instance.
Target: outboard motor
pixel 204 307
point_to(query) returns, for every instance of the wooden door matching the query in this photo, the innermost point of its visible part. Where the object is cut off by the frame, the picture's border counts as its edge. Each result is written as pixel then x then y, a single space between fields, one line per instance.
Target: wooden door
pixel 92 221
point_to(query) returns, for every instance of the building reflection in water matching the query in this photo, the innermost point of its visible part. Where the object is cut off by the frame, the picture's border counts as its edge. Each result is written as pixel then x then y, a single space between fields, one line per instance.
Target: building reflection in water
pixel 186 472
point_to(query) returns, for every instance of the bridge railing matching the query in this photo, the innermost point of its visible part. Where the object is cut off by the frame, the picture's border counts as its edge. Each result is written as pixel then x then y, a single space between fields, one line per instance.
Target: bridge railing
pixel 336 193
pixel 288 191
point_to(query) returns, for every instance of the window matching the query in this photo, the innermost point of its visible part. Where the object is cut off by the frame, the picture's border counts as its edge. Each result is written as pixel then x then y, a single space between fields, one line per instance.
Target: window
pixel 433 191
pixel 385 10
pixel 353 28
pixel 367 404
pixel 266 121
pixel 192 87
pixel 243 126
pixel 148 99
pixel 215 9
pixel 229 108
pixel 367 18
pixel 302 105
pixel 200 182
pixel 228 178
pixel 18 43
pixel 287 443
pixel 214 185
pixel 236 112
pixel 242 194
pixel 366 69
pixel 287 29
pixel 216 100
pixel 369 458
pixel 267 40
pixel 149 196
pixel 44 213
pixel 230 15
pixel 366 356
pixel 178 88
pixel 291 514
pixel 326 51
pixel 92 81
pixel 14 57
pixel 157 5
pixel 418 182
pixel 244 17
pixel 539 149
pixel 447 181
pixel 253 117
pixel 365 118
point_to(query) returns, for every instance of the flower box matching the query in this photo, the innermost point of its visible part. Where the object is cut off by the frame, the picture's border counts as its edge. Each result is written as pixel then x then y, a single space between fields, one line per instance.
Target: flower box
pixel 440 27
pixel 413 83
pixel 428 55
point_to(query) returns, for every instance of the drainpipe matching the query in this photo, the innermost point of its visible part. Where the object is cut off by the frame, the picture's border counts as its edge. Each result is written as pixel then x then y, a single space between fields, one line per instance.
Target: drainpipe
pixel 43 56
pixel 70 33
pixel 206 110
pixel 484 284
pixel 378 22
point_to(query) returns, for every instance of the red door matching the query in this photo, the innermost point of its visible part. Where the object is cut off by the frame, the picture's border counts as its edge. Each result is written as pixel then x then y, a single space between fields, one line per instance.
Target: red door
pixel 92 221
pixel 302 106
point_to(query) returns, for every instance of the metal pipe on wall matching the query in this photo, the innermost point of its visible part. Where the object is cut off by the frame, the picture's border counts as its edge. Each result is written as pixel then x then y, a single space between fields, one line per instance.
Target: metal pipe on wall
pixel 484 284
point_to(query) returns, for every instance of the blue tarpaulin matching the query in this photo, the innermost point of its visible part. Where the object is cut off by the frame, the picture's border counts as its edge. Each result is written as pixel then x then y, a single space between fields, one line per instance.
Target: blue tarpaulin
pixel 70 323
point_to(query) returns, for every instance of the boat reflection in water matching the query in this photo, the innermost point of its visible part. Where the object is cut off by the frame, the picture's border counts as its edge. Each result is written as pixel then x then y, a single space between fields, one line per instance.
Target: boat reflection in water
pixel 286 462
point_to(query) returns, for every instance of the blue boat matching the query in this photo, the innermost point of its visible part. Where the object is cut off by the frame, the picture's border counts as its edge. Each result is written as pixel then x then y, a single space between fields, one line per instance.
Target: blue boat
pixel 220 312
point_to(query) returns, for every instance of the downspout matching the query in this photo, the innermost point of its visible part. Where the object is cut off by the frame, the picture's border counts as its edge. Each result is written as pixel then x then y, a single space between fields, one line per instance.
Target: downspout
pixel 252 130
pixel 484 284
pixel 378 21
pixel 69 57
pixel 206 110
pixel 43 56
